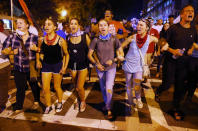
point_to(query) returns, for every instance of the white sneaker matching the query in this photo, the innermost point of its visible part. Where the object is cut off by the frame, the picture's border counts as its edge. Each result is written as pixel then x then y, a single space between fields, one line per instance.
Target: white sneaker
pixel 48 110
pixel 134 101
pixel 59 107
pixel 139 104
pixel 82 106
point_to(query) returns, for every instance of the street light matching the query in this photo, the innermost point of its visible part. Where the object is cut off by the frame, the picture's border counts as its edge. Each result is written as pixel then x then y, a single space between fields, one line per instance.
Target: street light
pixel 63 13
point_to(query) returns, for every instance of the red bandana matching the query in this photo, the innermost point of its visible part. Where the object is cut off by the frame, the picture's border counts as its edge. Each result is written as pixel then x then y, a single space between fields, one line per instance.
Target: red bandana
pixel 50 42
pixel 140 41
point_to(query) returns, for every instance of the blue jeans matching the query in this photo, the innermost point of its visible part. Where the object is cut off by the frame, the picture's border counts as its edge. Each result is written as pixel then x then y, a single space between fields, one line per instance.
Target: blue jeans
pixel 131 88
pixel 106 79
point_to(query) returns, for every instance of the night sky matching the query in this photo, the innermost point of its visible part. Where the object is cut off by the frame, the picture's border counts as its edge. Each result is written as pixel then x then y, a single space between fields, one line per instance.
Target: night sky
pixel 126 8
pixel 121 8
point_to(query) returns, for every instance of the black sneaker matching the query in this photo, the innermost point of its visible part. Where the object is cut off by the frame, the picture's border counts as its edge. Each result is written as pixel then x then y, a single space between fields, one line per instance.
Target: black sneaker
pixel 15 107
pixel 2 109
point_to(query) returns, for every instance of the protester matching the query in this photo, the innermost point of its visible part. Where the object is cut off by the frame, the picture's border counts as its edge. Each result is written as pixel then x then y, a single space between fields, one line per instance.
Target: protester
pixel 159 25
pixel 54 64
pixel 66 29
pixel 19 44
pixel 132 66
pixel 180 38
pixel 193 68
pixel 160 54
pixel 129 28
pixel 105 46
pixel 171 19
pixel 4 75
pixel 151 50
pixel 118 28
pixel 78 43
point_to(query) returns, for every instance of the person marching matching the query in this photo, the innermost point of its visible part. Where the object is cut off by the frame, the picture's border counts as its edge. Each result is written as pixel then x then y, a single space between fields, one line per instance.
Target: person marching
pixel 180 38
pixel 106 46
pixel 19 44
pixel 78 43
pixel 54 64
pixel 133 63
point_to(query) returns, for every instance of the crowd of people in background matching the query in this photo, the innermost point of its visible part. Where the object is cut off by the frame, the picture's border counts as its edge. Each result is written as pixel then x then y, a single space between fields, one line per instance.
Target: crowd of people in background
pixel 108 45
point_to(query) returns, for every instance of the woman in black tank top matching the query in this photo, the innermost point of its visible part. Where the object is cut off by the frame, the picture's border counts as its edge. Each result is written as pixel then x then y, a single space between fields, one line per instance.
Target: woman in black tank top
pixel 78 48
pixel 54 64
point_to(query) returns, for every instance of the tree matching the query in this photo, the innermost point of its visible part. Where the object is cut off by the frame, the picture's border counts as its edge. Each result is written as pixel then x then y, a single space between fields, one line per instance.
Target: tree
pixel 41 9
pixel 83 9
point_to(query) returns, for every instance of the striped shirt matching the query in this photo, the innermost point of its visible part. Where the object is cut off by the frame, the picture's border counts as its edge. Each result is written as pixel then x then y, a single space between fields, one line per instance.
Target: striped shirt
pixel 21 61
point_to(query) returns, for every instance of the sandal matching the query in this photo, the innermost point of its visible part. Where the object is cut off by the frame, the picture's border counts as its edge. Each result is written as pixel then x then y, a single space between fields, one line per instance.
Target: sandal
pixel 177 115
pixel 109 115
pixel 157 97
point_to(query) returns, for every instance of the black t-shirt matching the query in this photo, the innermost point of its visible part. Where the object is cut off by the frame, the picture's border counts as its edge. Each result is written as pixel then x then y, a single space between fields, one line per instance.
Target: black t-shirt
pixel 179 37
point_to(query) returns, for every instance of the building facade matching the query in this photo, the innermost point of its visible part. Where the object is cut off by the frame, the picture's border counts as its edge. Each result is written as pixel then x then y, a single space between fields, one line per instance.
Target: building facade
pixel 161 9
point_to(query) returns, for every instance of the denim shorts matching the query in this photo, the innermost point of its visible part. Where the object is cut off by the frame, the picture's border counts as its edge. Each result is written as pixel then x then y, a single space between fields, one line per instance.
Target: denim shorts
pixel 51 68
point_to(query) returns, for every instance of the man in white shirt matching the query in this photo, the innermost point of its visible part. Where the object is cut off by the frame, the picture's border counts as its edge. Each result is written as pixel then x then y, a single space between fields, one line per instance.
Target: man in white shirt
pixel 159 25
pixel 4 75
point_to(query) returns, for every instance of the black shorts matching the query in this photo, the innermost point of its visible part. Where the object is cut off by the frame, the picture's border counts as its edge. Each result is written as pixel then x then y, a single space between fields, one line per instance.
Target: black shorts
pixel 51 68
pixel 77 66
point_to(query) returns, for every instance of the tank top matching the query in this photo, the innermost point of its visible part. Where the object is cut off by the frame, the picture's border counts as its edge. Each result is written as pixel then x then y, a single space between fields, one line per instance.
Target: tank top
pixel 78 52
pixel 52 53
pixel 133 61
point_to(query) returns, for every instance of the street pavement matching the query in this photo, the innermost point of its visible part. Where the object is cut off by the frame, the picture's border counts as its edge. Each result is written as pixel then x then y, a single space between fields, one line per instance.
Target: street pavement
pixel 152 117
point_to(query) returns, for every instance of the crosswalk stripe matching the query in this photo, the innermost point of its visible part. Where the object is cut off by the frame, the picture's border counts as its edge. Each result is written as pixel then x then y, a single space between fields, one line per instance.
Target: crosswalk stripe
pixel 70 116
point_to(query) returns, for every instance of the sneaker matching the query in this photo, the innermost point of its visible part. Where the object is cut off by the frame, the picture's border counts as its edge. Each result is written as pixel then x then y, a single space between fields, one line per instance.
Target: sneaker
pixel 15 107
pixel 15 114
pixel 48 110
pixel 59 107
pixel 134 101
pixel 9 96
pixel 139 104
pixel 76 106
pixel 2 109
pixel 35 106
pixel 82 106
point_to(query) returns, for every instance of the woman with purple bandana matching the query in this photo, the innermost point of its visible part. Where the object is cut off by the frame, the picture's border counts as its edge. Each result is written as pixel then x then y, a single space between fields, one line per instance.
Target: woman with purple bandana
pixel 78 42
pixel 105 46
